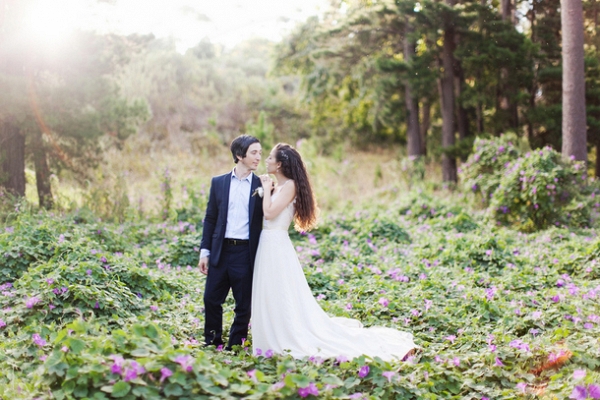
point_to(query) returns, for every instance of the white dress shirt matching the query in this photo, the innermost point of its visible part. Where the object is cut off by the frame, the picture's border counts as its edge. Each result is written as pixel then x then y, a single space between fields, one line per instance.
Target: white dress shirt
pixel 238 225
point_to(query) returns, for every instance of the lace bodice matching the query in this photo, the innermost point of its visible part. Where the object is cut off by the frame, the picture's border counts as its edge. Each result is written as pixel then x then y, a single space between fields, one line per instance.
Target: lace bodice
pixel 283 220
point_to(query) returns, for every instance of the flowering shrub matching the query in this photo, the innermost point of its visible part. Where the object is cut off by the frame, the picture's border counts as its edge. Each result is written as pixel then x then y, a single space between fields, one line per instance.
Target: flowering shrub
pixel 528 191
pixel 539 190
pixel 482 172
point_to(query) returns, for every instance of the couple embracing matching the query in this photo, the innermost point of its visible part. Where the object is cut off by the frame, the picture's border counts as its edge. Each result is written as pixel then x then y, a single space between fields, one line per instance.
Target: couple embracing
pixel 246 248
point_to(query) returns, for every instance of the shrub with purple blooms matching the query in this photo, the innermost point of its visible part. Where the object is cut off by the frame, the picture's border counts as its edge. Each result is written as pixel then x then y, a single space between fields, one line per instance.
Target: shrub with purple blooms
pixel 529 191
pixel 540 189
pixel 482 172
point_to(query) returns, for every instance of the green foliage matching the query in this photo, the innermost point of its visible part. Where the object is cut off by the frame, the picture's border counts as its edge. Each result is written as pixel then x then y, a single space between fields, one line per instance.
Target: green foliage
pixel 262 130
pixel 102 311
pixel 540 189
pixel 482 172
pixel 529 191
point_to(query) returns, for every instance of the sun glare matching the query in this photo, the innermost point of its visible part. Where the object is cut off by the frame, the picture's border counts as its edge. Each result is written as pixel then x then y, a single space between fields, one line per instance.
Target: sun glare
pixel 49 25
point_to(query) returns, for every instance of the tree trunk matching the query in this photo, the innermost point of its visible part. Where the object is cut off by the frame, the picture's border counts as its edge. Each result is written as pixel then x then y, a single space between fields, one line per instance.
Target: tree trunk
pixel 462 117
pixel 598 159
pixel 446 87
pixel 412 105
pixel 12 158
pixel 42 172
pixel 425 122
pixel 533 90
pixel 574 130
pixel 479 114
pixel 506 10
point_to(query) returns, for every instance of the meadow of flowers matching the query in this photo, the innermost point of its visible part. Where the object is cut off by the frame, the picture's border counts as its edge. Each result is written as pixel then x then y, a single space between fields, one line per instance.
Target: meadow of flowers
pixel 99 310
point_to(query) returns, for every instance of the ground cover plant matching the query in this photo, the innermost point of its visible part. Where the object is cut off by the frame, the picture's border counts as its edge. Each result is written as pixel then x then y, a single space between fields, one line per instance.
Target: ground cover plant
pixel 99 310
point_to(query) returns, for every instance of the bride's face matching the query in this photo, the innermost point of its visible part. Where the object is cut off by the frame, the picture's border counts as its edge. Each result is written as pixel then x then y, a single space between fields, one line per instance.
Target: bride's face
pixel 271 162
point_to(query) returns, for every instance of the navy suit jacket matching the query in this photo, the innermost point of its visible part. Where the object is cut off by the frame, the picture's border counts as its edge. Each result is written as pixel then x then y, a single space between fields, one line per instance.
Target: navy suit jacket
pixel 215 220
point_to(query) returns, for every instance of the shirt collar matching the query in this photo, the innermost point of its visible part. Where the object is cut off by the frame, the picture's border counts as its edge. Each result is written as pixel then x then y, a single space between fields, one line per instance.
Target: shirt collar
pixel 248 178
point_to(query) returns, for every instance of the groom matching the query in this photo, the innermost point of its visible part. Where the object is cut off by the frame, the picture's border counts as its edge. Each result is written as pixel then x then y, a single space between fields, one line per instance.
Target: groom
pixel 230 237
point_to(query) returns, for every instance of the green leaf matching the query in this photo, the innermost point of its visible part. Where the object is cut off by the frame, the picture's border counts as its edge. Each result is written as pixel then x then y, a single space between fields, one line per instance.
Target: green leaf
pixel 120 389
pixel 76 345
pixel 240 388
pixel 173 389
pixel 151 331
pixel 140 352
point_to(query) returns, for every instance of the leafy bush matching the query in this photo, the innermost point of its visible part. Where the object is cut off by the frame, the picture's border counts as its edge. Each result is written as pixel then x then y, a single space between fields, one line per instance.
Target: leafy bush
pixel 482 172
pixel 421 206
pixel 539 190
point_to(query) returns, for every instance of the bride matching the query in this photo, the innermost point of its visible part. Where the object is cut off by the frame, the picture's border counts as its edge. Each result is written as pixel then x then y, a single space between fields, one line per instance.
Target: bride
pixel 286 318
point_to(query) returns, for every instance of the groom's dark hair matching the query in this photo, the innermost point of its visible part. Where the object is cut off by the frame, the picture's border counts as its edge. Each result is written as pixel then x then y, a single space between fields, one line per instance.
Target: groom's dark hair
pixel 240 145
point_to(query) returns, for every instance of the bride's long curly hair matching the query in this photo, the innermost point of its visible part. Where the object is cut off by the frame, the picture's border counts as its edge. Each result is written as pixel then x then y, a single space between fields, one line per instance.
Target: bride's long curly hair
pixel 292 167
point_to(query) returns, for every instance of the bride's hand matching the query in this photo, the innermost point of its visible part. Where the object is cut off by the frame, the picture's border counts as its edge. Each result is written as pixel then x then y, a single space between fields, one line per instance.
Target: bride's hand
pixel 266 181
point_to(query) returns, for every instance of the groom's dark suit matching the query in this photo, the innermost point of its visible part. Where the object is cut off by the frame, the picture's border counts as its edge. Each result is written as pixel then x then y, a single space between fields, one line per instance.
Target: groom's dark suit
pixel 231 265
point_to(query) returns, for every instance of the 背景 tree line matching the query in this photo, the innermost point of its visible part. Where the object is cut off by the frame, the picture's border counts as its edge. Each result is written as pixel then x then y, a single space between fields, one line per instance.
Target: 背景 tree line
pixel 435 74
pixel 430 74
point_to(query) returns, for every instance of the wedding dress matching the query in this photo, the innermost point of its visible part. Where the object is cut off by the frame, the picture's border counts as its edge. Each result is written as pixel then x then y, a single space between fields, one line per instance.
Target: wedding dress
pixel 287 318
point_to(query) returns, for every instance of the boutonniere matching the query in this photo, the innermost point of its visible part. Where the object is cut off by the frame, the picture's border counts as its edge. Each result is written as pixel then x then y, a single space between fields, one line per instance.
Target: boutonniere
pixel 259 191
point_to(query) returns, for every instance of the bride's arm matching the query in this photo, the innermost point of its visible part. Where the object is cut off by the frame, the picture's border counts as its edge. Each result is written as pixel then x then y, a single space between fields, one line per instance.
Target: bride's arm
pixel 273 207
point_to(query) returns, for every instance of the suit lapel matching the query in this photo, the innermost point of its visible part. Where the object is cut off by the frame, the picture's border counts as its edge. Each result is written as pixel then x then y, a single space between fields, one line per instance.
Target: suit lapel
pixel 253 186
pixel 226 187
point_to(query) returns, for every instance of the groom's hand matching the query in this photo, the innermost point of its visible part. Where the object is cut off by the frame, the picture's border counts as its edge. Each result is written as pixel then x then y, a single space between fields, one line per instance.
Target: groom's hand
pixel 203 265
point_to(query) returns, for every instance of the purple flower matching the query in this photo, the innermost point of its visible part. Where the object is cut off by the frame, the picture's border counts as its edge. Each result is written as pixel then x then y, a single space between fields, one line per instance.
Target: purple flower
pixel 32 301
pixel 363 371
pixel 521 386
pixel 185 361
pixel 388 375
pixel 579 374
pixel 456 361
pixel 252 375
pixel 118 363
pixel 383 301
pixel 49 281
pixel 154 308
pixel 579 393
pixel 594 391
pixel 2 323
pixel 310 389
pixel 37 339
pixel 451 338
pixel 499 362
pixel 519 344
pixel 129 375
pixel 341 359
pixel 165 373
pixel 269 353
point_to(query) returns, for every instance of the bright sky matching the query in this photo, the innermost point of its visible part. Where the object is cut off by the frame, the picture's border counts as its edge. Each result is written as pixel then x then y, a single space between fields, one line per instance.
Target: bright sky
pixel 187 21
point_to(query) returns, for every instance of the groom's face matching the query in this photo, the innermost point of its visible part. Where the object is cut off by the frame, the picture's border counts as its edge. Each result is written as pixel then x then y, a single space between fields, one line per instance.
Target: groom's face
pixel 253 156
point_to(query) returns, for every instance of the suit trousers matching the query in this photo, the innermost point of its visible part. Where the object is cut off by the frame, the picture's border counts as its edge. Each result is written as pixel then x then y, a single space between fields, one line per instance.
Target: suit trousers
pixel 234 272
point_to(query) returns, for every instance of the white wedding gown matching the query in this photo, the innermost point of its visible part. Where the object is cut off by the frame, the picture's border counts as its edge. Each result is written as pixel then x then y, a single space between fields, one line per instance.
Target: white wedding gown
pixel 287 318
